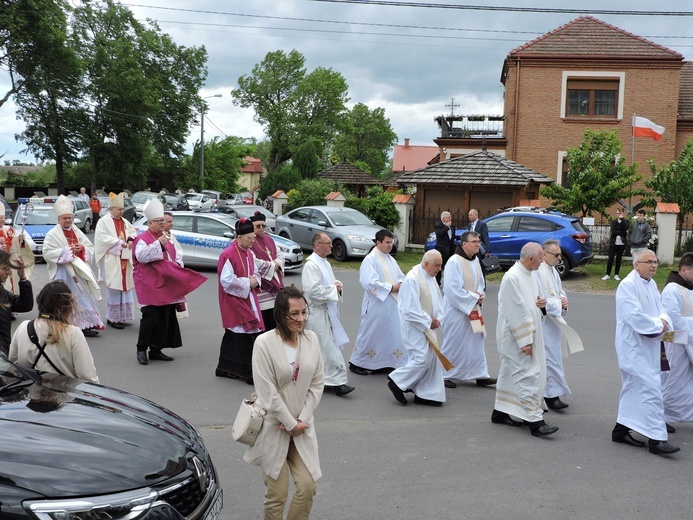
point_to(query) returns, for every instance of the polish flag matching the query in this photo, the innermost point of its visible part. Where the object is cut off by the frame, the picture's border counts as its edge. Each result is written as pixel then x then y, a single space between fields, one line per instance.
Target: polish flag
pixel 645 128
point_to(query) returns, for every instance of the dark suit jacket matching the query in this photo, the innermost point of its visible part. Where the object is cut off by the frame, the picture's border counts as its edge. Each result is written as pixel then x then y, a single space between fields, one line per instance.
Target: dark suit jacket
pixel 444 243
pixel 618 228
pixel 482 229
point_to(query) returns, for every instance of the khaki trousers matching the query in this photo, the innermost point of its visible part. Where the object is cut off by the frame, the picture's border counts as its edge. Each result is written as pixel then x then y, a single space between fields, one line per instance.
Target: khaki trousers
pixel 278 490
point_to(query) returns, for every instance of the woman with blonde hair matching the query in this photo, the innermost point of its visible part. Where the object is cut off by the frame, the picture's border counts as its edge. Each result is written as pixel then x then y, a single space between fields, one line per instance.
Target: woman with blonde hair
pixel 49 343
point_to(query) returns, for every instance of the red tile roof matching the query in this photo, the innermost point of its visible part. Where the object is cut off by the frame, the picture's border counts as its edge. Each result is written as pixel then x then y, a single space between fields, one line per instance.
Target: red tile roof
pixel 402 199
pixel 587 36
pixel 668 207
pixel 253 165
pixel 408 158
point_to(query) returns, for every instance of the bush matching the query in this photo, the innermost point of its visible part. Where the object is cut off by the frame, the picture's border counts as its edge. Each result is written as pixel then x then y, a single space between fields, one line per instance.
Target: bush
pixel 378 206
pixel 310 192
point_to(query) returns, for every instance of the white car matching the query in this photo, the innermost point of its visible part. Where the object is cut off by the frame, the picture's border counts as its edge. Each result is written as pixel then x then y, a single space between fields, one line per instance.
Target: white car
pixel 140 198
pixel 199 201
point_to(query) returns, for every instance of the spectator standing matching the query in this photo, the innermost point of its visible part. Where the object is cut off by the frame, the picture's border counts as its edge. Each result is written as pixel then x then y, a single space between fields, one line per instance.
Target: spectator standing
pixel 640 233
pixel 95 205
pixel 445 239
pixel 617 244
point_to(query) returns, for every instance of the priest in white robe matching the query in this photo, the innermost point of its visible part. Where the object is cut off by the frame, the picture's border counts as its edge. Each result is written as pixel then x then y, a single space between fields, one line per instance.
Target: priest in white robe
pixel 323 293
pixel 556 308
pixel 677 301
pixel 640 319
pixel 522 375
pixel 420 307
pixel 379 345
pixel 463 327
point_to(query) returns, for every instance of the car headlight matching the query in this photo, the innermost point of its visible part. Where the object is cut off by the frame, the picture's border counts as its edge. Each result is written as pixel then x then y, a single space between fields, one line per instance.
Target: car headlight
pixel 284 249
pixel 129 505
pixel 359 238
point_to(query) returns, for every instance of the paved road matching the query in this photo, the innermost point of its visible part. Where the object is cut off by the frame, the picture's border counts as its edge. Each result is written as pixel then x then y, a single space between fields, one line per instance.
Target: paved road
pixel 381 460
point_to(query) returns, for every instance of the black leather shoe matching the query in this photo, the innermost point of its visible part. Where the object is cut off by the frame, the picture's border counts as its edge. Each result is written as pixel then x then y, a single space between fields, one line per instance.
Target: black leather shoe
pixel 396 391
pixel 503 418
pixel 250 381
pixel 427 402
pixel 221 373
pixel 142 357
pixel 662 448
pixel 343 390
pixel 449 383
pixel 629 440
pixel 116 324
pixel 543 430
pixel 555 403
pixel 358 370
pixel 670 428
pixel 487 381
pixel 159 356
pixel 90 333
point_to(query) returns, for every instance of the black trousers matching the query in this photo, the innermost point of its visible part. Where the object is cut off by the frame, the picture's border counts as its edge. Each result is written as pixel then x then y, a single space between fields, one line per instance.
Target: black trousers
pixel 236 354
pixel 616 251
pixel 159 328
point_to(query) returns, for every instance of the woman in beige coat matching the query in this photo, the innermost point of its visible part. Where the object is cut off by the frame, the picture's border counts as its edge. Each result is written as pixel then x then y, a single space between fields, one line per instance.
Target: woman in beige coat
pixel 288 375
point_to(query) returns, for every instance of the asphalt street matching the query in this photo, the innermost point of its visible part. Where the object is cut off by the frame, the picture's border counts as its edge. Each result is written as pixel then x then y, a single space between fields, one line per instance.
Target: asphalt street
pixel 382 460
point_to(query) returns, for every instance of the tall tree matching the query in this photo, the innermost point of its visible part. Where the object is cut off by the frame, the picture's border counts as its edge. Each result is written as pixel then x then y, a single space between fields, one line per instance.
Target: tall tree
pixel 291 104
pixel 597 176
pixel 306 161
pixel 366 137
pixel 224 159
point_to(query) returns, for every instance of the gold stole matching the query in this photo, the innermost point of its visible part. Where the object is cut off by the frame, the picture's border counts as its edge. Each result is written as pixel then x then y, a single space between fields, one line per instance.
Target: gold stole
pixel 426 301
pixel 475 318
pixel 389 278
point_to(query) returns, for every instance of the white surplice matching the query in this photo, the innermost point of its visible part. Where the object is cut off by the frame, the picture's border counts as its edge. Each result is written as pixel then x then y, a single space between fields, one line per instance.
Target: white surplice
pixel 423 373
pixel 379 341
pixel 677 390
pixel 461 345
pixel 639 312
pixel 521 378
pixel 322 296
pixel 550 281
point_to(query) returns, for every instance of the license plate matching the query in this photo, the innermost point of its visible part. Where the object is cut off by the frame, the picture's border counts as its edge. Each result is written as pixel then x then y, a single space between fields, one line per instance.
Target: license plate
pixel 300 257
pixel 214 511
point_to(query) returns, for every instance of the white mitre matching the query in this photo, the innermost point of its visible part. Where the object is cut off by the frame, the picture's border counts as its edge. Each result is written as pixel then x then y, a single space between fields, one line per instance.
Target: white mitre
pixel 153 209
pixel 62 206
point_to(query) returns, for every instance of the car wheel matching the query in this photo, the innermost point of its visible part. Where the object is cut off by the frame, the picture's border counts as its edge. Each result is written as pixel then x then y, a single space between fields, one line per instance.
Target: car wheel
pixel 564 267
pixel 87 225
pixel 284 234
pixel 339 251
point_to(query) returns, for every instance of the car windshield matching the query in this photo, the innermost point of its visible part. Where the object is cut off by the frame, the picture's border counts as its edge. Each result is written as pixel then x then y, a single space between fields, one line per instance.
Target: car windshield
pixel 141 197
pixel 349 218
pixel 171 199
pixel 40 216
pixel 249 211
pixel 192 196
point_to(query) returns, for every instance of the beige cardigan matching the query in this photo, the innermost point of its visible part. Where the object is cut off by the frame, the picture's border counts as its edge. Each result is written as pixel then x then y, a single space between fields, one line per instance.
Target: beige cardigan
pixel 286 401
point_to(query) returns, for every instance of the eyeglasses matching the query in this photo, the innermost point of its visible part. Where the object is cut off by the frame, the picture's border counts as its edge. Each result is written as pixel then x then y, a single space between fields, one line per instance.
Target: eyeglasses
pixel 167 221
pixel 555 255
pixel 260 226
pixel 473 241
pixel 158 221
pixel 325 243
pixel 648 262
pixel 6 269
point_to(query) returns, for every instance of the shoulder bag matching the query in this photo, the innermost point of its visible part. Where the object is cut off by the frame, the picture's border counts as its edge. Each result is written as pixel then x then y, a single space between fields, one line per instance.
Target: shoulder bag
pixel 248 421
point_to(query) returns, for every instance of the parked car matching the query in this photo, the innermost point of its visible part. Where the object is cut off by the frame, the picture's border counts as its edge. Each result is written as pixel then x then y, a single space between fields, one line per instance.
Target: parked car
pixel 73 449
pixel 232 199
pixel 199 201
pixel 83 213
pixel 8 210
pixel 247 211
pixel 39 221
pixel 216 196
pixel 352 232
pixel 176 202
pixel 203 236
pixel 140 198
pixel 129 213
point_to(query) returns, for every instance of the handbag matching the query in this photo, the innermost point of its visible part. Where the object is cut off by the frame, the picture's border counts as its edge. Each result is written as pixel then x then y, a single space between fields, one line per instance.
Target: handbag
pixel 491 264
pixel 248 421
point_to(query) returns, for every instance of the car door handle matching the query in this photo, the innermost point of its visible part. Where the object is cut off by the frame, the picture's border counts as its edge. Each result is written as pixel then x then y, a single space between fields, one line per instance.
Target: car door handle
pixel 505 236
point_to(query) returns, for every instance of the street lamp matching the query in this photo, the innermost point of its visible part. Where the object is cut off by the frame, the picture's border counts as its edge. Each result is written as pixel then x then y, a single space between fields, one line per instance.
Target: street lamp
pixel 202 137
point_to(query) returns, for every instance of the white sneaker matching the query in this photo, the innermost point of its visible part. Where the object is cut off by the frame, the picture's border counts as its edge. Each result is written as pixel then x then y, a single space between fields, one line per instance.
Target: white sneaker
pixel 605 277
pixel 616 277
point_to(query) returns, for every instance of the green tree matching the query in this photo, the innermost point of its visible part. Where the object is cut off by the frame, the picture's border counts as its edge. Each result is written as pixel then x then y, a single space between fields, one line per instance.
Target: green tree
pixel 366 137
pixel 306 161
pixel 284 178
pixel 310 192
pixel 224 159
pixel 597 176
pixel 674 183
pixel 291 104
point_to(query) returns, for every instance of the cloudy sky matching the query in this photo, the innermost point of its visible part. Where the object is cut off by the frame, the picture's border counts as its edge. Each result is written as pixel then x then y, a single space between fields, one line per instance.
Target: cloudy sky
pixel 411 60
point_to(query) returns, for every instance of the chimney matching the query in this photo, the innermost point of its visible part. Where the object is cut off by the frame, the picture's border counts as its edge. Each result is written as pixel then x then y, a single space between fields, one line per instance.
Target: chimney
pixel 406 142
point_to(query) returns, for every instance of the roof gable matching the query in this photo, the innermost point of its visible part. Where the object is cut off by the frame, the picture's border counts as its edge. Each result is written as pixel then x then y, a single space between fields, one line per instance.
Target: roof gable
pixel 346 173
pixel 587 36
pixel 412 157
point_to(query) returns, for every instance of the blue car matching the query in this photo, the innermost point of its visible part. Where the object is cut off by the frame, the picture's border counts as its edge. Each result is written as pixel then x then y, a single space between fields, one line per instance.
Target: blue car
pixel 511 230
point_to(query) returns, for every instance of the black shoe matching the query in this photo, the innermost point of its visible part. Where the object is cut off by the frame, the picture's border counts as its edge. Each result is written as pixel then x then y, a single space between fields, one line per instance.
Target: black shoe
pixel 487 381
pixel 629 440
pixel 358 370
pixel 343 390
pixel 396 391
pixel 427 402
pixel 115 324
pixel 503 418
pixel 662 448
pixel 159 356
pixel 90 333
pixel 142 357
pixel 555 403
pixel 250 382
pixel 670 428
pixel 449 383
pixel 543 430
pixel 221 373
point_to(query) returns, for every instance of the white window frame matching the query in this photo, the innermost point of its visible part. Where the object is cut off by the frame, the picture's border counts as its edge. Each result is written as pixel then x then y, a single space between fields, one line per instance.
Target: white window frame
pixel 598 74
pixel 559 168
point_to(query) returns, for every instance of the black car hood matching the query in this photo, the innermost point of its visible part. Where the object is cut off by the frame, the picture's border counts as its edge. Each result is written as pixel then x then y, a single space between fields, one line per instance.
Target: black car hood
pixel 89 439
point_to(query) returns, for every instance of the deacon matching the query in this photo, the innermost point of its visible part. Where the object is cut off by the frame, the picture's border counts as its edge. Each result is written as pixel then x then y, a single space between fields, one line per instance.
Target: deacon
pixel 677 301
pixel 640 319
pixel 161 284
pixel 556 308
pixel 379 345
pixel 241 316
pixel 463 327
pixel 113 245
pixel 68 253
pixel 420 307
pixel 522 375
pixel 323 292
pixel 270 267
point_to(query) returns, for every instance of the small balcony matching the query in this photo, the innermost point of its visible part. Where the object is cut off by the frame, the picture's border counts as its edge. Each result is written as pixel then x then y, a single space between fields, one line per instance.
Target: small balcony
pixel 471 127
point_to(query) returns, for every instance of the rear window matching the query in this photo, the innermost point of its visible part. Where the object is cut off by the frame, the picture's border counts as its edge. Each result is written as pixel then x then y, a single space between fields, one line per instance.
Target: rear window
pixel 535 224
pixel 577 225
pixel 500 224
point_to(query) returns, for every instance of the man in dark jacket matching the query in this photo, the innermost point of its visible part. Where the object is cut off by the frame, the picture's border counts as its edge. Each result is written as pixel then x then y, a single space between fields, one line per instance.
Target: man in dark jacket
pixel 9 303
pixel 445 238
pixel 617 244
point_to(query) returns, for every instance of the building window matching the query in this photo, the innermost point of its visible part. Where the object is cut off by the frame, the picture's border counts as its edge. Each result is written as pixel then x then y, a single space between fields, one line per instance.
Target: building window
pixel 562 171
pixel 592 94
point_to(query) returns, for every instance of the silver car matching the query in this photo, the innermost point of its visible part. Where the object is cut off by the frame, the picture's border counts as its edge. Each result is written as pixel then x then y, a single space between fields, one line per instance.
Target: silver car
pixel 352 233
pixel 248 210
pixel 203 236
pixel 83 213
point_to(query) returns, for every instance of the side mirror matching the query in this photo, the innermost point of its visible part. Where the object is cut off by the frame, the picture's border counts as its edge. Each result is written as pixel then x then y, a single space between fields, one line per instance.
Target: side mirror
pixel 323 223
pixel 230 234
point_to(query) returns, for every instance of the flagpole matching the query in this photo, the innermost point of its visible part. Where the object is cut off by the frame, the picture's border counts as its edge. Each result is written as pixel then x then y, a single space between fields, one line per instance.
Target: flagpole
pixel 632 155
